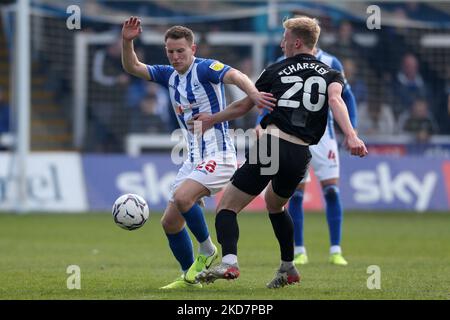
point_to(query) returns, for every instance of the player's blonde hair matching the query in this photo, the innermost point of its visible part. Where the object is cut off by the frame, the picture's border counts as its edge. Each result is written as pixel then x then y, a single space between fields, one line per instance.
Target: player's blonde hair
pixel 305 28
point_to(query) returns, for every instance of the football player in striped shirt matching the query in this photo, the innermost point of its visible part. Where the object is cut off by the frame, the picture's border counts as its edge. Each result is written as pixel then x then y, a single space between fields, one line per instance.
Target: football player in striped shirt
pixel 195 85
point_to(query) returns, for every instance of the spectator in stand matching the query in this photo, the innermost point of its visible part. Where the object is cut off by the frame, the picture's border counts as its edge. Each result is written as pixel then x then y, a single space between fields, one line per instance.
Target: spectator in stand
pixel 359 87
pixel 386 56
pixel 418 122
pixel 146 118
pixel 139 90
pixel 346 46
pixel 375 116
pixel 107 101
pixel 105 69
pixel 162 105
pixel 408 85
pixel 4 113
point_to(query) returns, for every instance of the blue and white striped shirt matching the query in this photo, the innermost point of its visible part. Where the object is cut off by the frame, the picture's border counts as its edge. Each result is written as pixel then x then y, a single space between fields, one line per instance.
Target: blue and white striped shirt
pixel 199 89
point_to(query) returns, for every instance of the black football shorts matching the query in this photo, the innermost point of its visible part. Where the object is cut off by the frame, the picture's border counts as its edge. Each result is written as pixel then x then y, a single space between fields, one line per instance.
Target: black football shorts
pixel 285 166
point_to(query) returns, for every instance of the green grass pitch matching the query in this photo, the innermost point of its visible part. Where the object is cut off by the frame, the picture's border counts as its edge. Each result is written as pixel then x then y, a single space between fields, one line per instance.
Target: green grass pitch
pixel 411 250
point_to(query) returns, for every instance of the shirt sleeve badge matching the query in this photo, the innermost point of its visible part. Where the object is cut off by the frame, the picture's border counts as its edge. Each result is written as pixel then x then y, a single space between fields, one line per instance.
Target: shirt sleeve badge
pixel 217 66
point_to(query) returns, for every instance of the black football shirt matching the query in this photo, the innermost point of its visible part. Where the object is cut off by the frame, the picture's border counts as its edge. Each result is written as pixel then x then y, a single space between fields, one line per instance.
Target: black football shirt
pixel 299 84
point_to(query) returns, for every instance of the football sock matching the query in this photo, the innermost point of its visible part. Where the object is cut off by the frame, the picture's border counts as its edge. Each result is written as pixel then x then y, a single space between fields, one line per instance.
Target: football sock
pixel 286 265
pixel 181 245
pixel 295 209
pixel 230 259
pixel 196 222
pixel 227 230
pixel 334 213
pixel 206 247
pixel 335 249
pixel 299 249
pixel 284 231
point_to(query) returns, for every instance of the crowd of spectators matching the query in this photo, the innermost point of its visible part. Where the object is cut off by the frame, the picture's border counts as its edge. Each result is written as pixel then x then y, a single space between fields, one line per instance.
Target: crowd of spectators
pixel 393 96
pixel 396 90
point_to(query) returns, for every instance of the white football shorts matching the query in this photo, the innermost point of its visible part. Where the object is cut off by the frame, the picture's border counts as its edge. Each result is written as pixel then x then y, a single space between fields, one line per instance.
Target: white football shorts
pixel 213 172
pixel 325 159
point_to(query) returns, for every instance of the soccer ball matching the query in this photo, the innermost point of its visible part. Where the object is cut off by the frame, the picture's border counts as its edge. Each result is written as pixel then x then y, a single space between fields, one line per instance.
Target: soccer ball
pixel 130 211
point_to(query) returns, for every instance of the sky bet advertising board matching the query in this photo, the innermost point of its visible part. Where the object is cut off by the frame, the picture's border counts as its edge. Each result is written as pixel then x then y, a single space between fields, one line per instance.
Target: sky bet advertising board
pixel 374 183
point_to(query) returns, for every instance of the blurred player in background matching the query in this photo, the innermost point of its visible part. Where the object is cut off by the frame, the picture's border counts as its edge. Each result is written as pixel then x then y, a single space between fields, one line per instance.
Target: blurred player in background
pixel 195 85
pixel 325 162
pixel 305 88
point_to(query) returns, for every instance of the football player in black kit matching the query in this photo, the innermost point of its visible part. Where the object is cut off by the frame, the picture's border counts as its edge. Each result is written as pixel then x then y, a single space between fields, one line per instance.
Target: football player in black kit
pixel 304 88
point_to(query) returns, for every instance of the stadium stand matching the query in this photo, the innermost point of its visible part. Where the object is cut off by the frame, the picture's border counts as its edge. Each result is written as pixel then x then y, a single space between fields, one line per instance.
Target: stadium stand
pixel 103 124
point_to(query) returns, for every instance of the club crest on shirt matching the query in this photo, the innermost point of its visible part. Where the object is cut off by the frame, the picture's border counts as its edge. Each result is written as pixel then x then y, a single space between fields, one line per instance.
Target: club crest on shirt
pixel 217 66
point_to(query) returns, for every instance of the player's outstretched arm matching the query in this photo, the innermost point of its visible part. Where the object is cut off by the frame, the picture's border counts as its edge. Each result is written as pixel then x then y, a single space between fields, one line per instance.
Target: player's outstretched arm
pixel 233 111
pixel 260 99
pixel 355 145
pixel 350 102
pixel 347 95
pixel 131 30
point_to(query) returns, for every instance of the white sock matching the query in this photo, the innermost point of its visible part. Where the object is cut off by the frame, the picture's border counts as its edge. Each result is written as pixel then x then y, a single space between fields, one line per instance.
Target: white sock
pixel 230 259
pixel 299 249
pixel 206 247
pixel 335 249
pixel 286 265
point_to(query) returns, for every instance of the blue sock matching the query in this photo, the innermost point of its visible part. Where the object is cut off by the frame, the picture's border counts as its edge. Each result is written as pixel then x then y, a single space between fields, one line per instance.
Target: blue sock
pixel 295 209
pixel 196 222
pixel 181 245
pixel 334 213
